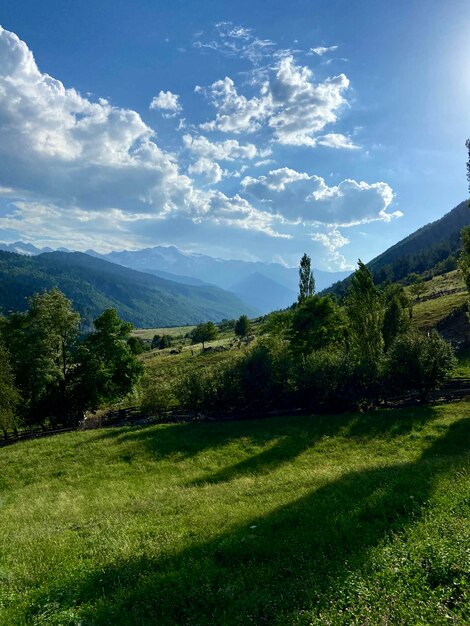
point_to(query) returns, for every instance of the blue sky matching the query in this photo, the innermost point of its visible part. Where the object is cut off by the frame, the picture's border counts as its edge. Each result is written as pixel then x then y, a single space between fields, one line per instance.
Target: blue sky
pixel 255 130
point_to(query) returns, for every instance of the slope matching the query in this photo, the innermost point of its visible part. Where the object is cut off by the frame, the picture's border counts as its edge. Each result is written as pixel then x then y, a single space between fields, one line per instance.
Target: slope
pixel 350 519
pixel 434 246
pixel 222 272
pixel 94 284
pixel 263 293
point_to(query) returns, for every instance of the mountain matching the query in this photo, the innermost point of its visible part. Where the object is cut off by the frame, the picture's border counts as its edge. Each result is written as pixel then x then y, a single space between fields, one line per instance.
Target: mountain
pixel 432 243
pixel 263 293
pixel 189 268
pixel 23 248
pixel 434 246
pixel 94 284
pixel 224 273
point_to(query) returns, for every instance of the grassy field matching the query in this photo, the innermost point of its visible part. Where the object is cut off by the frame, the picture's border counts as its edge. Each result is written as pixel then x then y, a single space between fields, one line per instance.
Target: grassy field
pixel 428 313
pixel 349 520
pixel 173 331
pixel 444 282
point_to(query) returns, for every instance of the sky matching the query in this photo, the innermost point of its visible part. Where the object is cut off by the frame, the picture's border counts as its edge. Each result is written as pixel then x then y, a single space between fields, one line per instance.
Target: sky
pixel 255 130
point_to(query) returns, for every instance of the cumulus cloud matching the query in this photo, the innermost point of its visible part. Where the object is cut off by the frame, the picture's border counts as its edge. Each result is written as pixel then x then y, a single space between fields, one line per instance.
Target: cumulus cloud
pixel 168 102
pixel 209 170
pixel 332 240
pixel 289 102
pixel 85 173
pixel 298 196
pixel 235 113
pixel 59 149
pixel 338 141
pixel 229 150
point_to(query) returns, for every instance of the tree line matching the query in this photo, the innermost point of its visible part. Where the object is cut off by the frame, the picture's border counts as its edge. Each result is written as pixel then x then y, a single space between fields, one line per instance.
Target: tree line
pixel 321 355
pixel 51 372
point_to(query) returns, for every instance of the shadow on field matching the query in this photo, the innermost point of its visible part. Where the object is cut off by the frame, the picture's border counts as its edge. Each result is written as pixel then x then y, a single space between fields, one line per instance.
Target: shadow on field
pixel 293 441
pixel 268 570
pixel 289 437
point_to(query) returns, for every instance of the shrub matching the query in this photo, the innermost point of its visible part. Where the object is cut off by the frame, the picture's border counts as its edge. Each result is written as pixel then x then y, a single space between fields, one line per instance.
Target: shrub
pixel 157 398
pixel 419 363
pixel 332 380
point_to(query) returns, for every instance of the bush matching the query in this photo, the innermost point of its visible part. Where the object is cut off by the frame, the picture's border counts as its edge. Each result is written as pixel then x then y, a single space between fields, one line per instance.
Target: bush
pixel 419 363
pixel 333 380
pixel 157 398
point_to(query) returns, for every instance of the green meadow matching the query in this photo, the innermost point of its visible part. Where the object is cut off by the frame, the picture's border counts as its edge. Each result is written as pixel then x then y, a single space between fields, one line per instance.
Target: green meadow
pixel 352 519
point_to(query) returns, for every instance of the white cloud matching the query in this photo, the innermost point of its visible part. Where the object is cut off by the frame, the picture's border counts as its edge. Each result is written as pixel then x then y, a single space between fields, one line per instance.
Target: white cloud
pixel 321 50
pixel 59 149
pixel 332 239
pixel 290 103
pixel 211 171
pixel 231 40
pixel 229 150
pixel 85 174
pixel 235 113
pixel 338 141
pixel 298 196
pixel 167 101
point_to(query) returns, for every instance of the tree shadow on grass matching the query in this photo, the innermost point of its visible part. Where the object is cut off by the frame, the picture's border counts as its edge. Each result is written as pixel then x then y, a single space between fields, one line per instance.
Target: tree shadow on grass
pixel 270 569
pixel 289 436
pixel 293 441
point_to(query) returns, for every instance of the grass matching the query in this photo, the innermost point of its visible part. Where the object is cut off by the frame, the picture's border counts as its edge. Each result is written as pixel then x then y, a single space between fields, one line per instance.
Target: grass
pixel 162 366
pixel 428 313
pixel 444 282
pixel 173 331
pixel 351 519
pixel 463 365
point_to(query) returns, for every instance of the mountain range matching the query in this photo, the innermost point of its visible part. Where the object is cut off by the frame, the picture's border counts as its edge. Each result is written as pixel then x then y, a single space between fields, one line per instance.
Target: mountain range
pixel 164 286
pixel 95 284
pixel 263 286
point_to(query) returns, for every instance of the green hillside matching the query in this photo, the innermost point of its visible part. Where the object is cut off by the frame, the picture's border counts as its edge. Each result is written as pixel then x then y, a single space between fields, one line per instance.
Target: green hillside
pixel 94 285
pixel 427 246
pixel 441 295
pixel 435 246
pixel 351 519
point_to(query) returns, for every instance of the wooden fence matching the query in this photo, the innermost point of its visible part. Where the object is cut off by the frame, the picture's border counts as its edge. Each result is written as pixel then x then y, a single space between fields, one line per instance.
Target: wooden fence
pixel 452 390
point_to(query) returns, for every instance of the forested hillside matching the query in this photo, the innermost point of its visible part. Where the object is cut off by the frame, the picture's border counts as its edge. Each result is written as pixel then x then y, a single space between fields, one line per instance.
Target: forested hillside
pixel 94 285
pixel 434 246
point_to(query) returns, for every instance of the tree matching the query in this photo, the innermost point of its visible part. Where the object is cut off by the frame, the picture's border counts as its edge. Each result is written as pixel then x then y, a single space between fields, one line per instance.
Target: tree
pixel 278 324
pixel 396 317
pixel 417 285
pixel 306 279
pixel 165 342
pixel 464 260
pixel 242 326
pixel 419 363
pixel 9 396
pixel 155 342
pixel 204 332
pixel 365 309
pixel 316 323
pixel 467 144
pixel 106 368
pixel 42 343
pixel 136 344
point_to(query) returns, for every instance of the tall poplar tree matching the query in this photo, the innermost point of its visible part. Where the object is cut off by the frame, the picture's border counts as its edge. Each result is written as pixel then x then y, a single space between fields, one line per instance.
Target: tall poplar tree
pixel 365 309
pixel 306 279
